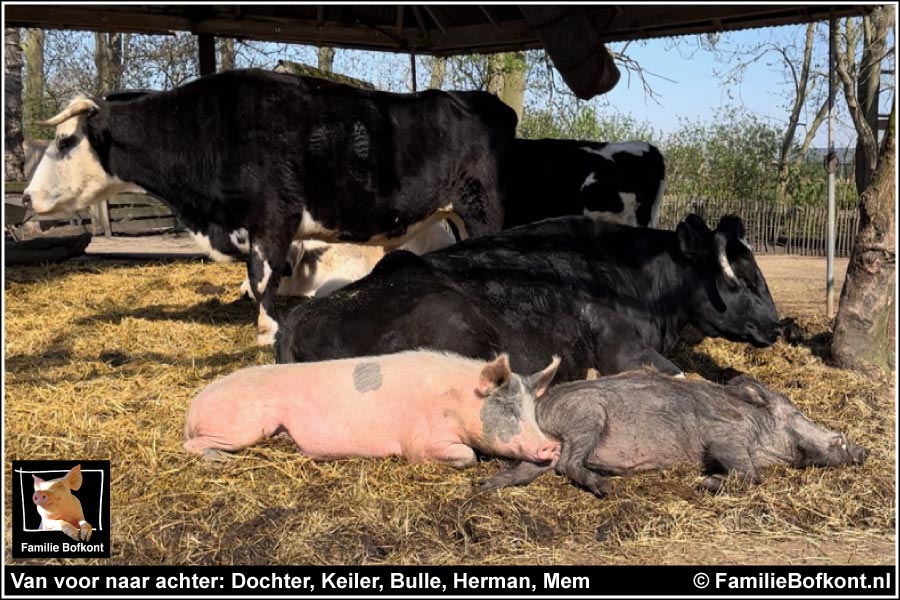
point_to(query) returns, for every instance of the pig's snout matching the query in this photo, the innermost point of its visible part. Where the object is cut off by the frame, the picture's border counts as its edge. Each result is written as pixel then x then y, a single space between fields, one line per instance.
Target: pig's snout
pixel 40 498
pixel 549 451
pixel 857 453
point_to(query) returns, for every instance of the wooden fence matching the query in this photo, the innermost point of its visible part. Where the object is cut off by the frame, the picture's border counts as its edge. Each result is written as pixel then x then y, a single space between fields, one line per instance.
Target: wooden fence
pixel 771 228
pixel 124 214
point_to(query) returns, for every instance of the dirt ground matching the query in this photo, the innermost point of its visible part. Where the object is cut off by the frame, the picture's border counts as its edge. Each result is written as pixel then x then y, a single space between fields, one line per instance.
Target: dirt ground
pixel 103 357
pixel 798 282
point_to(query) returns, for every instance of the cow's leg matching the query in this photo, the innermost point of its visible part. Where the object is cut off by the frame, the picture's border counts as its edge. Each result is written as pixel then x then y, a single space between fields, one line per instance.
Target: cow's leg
pixel 265 269
pixel 629 357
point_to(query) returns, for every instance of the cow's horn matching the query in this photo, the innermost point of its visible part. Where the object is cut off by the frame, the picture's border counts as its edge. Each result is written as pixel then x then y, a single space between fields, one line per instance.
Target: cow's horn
pixel 76 107
pixel 721 242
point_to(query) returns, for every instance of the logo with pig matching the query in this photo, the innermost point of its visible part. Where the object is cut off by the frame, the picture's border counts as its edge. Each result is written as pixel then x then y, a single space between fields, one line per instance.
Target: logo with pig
pixel 60 509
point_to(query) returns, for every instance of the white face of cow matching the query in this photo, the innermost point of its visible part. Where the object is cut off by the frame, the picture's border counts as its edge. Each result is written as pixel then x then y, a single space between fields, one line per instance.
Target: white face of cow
pixel 70 176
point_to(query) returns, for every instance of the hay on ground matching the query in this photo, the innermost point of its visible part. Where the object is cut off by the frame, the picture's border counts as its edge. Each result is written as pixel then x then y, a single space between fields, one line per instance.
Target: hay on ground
pixel 102 360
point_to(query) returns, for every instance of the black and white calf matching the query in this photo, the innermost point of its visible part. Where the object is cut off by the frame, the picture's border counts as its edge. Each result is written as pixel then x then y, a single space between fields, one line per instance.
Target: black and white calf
pixel 286 157
pixel 600 295
pixel 621 182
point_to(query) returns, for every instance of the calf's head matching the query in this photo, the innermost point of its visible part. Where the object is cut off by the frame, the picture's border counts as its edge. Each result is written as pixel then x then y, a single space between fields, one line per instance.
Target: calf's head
pixel 730 298
pixel 507 414
pixel 796 439
pixel 71 176
pixel 52 495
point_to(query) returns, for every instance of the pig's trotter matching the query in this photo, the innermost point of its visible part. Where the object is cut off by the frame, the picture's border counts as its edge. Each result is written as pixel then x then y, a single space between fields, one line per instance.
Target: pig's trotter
pixel 86 530
pixel 522 473
pixel 71 531
pixel 458 456
pixel 214 455
pixel 713 483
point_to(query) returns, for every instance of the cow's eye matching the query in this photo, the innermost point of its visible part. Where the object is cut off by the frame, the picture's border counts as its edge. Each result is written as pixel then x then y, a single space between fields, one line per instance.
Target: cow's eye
pixel 64 143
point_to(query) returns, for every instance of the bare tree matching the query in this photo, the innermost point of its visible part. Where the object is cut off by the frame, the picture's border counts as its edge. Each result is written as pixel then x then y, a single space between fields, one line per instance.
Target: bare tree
pixel 34 78
pixel 438 72
pixel 325 57
pixel 14 157
pixel 506 78
pixel 108 60
pixel 227 55
pixel 865 329
pixel 805 75
pixel 861 82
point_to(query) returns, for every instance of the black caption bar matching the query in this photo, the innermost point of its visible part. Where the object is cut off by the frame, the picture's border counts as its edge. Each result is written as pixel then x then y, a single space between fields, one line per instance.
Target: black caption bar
pixel 23 581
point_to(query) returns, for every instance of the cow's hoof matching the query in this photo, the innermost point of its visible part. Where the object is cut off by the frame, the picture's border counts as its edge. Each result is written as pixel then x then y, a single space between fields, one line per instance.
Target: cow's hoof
pixel 86 531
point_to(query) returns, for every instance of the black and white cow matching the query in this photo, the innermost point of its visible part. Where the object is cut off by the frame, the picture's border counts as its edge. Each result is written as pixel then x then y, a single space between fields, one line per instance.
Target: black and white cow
pixel 621 182
pixel 600 295
pixel 286 157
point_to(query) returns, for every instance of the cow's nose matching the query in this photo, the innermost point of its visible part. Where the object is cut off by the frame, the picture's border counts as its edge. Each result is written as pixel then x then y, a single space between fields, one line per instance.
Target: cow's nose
pixel 26 201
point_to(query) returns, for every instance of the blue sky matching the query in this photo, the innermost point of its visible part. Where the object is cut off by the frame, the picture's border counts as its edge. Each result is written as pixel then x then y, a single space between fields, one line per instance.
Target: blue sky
pixel 696 91
pixel 692 87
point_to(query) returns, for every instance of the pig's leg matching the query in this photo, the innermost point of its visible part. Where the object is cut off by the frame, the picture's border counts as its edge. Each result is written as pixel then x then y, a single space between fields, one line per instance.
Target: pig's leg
pixel 85 530
pixel 60 525
pixel 730 457
pixel 459 456
pixel 573 463
pixel 522 473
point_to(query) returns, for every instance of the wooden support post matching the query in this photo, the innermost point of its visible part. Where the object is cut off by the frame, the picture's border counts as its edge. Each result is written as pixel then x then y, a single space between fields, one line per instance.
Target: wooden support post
pixel 206 53
pixel 104 218
pixel 96 227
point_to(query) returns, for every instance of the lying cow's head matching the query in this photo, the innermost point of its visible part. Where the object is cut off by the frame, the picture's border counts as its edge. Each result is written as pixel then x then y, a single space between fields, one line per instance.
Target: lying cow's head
pixel 71 176
pixel 731 298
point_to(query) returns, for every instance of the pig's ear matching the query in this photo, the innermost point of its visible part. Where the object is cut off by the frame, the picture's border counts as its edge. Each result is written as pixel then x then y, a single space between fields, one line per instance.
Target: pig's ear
pixel 540 381
pixel 37 482
pixel 495 374
pixel 73 477
pixel 750 391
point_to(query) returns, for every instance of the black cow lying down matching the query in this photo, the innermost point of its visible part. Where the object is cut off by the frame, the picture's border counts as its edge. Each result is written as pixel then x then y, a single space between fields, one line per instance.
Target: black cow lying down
pixel 601 295
pixel 283 157
pixel 645 420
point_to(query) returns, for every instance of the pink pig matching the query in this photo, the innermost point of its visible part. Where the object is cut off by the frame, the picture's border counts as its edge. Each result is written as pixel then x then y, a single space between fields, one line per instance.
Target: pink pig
pixel 420 405
pixel 59 509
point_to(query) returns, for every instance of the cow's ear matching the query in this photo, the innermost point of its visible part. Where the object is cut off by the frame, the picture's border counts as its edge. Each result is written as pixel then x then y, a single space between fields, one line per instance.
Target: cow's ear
pixel 732 227
pixel 694 238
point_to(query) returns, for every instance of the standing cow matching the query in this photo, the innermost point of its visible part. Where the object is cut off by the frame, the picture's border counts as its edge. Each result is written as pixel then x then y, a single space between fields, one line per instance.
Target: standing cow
pixel 286 157
pixel 621 182
pixel 601 295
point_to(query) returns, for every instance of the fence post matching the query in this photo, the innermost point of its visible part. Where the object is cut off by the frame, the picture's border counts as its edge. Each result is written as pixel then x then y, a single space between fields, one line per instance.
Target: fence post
pixel 104 218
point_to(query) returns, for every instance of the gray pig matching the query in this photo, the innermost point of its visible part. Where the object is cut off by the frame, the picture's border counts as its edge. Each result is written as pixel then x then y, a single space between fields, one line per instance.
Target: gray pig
pixel 644 420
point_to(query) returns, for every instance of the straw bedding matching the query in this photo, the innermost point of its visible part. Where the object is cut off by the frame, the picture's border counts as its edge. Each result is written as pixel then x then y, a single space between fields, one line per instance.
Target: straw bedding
pixel 103 359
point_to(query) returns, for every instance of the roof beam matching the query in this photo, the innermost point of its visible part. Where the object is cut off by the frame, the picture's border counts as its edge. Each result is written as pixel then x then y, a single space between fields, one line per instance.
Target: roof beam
pixel 432 12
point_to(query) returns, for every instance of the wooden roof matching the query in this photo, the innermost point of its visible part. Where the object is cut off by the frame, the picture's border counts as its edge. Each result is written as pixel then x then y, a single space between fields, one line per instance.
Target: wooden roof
pixel 573 36
pixel 427 29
